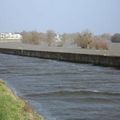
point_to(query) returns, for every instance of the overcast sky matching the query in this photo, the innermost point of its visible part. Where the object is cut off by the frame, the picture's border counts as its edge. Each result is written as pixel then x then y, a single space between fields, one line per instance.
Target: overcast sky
pixel 98 16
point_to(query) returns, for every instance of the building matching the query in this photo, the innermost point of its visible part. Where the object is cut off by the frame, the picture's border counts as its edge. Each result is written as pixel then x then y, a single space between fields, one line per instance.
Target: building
pixel 10 37
pixel 58 40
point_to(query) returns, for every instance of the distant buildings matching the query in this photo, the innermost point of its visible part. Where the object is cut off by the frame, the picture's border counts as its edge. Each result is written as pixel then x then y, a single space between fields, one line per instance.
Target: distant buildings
pixel 57 38
pixel 10 37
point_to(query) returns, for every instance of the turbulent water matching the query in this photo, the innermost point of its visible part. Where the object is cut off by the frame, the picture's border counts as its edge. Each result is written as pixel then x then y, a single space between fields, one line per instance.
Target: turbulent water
pixel 64 91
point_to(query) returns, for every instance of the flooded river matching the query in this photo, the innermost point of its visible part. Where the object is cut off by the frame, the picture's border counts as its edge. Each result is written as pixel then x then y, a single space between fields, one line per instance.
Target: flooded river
pixel 64 91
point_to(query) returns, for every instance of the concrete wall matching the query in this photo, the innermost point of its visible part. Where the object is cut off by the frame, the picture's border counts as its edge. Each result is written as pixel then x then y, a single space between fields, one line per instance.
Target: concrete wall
pixel 112 61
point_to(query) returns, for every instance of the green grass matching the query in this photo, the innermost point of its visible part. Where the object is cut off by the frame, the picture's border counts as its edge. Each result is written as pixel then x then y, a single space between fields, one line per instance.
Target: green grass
pixel 13 108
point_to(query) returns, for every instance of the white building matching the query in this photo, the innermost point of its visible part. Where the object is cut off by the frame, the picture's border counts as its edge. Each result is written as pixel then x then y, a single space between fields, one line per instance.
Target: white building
pixel 57 38
pixel 10 37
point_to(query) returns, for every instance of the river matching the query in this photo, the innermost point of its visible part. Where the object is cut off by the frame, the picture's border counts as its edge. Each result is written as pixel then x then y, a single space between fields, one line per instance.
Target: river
pixel 64 91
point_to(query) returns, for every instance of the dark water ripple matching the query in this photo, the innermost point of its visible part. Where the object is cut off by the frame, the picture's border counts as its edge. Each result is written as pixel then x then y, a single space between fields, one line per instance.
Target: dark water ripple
pixel 64 91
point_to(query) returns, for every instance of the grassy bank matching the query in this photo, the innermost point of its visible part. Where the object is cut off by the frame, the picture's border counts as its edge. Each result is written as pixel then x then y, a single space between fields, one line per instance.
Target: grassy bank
pixel 13 108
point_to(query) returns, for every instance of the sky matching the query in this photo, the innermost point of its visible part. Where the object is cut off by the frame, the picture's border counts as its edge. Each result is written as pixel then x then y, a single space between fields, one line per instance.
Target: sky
pixel 63 16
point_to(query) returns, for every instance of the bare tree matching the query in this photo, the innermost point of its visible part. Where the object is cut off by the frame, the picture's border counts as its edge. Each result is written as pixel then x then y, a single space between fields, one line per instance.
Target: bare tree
pixel 30 37
pixel 83 39
pixel 100 43
pixel 105 36
pixel 50 35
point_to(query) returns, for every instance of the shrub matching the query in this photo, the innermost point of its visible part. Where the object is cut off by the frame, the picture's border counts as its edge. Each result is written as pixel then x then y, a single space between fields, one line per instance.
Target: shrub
pixel 100 44
pixel 30 37
pixel 84 39
pixel 116 38
pixel 50 35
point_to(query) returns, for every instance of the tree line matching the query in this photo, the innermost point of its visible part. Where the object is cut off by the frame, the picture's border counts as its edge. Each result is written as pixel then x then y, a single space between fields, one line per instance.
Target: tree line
pixel 83 40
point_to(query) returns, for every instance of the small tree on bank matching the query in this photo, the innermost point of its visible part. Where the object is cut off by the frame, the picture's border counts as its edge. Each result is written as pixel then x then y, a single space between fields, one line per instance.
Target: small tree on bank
pixel 84 39
pixel 30 37
pixel 100 43
pixel 50 35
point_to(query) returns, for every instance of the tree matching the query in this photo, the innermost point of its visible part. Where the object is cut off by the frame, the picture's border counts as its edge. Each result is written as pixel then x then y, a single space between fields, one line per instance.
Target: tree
pixel 116 38
pixel 30 37
pixel 50 35
pixel 83 39
pixel 105 36
pixel 100 43
pixel 25 37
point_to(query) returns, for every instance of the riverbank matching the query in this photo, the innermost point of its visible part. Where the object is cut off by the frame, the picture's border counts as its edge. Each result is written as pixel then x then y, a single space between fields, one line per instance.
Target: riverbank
pixel 109 58
pixel 14 108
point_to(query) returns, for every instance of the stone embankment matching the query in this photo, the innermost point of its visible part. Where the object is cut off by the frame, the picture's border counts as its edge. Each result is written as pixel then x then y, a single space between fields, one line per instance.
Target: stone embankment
pixel 109 58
